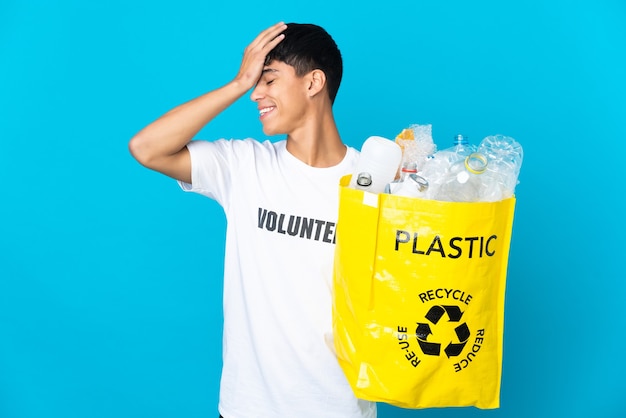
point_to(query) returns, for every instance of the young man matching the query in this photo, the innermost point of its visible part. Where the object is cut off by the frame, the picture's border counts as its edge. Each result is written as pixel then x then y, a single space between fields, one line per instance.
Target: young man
pixel 280 201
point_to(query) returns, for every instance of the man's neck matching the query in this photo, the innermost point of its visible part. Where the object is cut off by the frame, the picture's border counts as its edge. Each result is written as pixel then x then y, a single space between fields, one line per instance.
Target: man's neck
pixel 318 143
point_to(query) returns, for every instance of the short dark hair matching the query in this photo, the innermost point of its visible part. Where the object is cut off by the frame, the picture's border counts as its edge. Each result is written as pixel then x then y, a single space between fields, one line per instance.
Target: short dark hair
pixel 308 47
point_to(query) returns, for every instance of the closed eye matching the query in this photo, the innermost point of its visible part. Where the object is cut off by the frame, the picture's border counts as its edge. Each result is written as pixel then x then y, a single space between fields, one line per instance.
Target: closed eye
pixel 267 73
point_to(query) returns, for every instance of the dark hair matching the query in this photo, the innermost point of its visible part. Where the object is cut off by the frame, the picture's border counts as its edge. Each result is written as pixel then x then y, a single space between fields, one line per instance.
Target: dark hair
pixel 308 47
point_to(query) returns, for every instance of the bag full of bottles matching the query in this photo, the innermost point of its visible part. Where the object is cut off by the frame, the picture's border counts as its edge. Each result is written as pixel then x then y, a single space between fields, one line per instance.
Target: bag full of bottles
pixel 420 269
pixel 411 165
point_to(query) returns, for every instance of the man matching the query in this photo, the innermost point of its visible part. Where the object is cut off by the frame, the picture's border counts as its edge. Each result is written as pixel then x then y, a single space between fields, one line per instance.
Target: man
pixel 280 201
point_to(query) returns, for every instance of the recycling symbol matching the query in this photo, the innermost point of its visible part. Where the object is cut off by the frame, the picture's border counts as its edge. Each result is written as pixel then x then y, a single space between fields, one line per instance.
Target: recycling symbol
pixel 423 331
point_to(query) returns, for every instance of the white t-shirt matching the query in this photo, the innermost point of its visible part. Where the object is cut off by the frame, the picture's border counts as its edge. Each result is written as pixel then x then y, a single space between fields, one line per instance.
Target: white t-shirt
pixel 281 218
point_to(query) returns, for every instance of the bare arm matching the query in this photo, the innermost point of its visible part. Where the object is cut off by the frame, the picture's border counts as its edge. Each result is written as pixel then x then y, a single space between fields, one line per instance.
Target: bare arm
pixel 161 146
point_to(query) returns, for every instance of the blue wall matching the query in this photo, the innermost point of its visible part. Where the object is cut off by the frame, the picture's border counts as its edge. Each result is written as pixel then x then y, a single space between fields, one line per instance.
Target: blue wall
pixel 110 293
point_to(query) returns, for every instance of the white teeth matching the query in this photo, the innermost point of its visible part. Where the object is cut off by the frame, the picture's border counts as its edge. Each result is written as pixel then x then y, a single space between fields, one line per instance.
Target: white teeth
pixel 265 110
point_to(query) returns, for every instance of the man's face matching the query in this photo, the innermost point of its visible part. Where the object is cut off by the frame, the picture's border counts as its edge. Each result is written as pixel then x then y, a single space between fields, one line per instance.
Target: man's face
pixel 281 98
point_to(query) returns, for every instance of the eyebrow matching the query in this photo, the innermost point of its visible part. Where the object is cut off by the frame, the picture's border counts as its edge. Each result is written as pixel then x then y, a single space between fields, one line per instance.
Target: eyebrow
pixel 269 70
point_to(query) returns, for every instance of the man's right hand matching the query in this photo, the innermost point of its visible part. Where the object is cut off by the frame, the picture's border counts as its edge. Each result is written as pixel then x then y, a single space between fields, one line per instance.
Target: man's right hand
pixel 254 55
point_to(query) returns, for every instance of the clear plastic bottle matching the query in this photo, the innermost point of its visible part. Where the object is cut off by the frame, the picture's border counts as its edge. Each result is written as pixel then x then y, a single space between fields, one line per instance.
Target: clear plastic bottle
pixel 436 167
pixel 460 149
pixel 505 156
pixel 377 165
pixel 409 184
pixel 464 181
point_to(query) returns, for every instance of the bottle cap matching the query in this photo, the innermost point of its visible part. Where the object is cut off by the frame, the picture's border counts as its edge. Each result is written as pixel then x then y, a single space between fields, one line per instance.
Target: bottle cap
pixel 476 163
pixel 364 179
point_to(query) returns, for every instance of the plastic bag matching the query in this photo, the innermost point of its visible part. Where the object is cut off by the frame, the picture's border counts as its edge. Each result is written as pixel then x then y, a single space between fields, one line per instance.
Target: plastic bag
pixel 418 298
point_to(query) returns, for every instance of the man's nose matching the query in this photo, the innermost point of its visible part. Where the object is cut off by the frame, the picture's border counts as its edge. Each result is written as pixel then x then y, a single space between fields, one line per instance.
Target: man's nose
pixel 257 93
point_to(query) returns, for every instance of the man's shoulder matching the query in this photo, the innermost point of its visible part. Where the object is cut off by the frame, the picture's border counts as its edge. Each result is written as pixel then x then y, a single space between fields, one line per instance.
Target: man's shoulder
pixel 238 145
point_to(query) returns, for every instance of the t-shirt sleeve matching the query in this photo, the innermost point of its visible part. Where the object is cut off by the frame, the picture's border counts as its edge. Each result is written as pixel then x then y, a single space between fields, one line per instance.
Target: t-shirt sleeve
pixel 211 168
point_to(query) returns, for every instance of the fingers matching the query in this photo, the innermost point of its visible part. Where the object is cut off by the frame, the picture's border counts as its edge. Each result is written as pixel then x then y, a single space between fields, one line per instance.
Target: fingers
pixel 275 41
pixel 269 37
pixel 254 55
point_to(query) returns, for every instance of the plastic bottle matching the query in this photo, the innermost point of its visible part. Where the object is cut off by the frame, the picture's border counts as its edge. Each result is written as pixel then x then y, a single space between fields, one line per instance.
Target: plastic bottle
pixel 505 156
pixel 436 167
pixel 377 164
pixel 409 184
pixel 460 149
pixel 464 180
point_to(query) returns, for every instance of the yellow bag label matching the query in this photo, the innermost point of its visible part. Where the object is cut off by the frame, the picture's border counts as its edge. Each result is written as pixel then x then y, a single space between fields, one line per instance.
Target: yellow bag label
pixel 418 307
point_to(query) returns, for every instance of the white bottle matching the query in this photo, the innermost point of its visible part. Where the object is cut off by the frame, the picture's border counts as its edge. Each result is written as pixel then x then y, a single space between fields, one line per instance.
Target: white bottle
pixel 377 164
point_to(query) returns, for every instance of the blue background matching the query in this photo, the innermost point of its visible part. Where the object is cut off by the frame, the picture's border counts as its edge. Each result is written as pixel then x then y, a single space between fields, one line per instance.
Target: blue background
pixel 110 276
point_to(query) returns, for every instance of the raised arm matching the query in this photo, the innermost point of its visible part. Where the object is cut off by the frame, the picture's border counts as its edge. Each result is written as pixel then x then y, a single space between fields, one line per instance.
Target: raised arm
pixel 161 146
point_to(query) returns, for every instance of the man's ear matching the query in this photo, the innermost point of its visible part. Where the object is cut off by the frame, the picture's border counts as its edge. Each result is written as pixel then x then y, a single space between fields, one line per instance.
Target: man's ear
pixel 317 82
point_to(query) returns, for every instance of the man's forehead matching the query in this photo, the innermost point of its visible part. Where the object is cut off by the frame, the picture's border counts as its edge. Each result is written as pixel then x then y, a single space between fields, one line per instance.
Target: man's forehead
pixel 276 66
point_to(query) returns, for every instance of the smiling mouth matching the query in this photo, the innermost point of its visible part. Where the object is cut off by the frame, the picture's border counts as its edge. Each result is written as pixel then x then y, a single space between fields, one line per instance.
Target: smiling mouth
pixel 265 110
